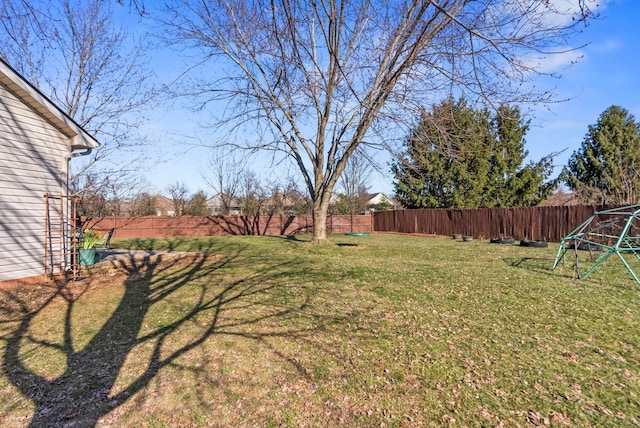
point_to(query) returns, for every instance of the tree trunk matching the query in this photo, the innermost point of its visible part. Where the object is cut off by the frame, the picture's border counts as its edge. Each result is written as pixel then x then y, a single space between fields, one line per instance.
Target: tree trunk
pixel 320 209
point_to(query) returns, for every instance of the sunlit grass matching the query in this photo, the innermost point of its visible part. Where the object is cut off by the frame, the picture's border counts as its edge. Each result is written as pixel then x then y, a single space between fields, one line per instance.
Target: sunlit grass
pixel 383 329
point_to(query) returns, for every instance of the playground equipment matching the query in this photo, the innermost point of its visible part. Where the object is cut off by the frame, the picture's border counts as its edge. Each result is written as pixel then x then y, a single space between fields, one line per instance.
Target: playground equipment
pixel 605 233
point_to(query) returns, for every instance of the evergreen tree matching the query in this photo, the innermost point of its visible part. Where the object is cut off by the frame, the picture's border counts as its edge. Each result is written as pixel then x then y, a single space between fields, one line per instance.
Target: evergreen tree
pixel 197 205
pixel 461 157
pixel 510 184
pixel 435 169
pixel 144 204
pixel 606 168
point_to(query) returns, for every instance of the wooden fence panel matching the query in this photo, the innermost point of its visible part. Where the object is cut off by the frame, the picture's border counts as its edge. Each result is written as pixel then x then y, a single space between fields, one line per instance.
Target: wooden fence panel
pixel 537 223
pixel 534 223
pixel 165 227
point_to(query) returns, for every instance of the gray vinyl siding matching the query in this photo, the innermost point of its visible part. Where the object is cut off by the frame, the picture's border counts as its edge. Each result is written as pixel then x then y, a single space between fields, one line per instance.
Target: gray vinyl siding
pixel 33 162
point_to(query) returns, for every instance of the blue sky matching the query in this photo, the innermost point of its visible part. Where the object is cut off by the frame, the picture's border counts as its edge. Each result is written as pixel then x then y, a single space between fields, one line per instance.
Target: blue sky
pixel 607 73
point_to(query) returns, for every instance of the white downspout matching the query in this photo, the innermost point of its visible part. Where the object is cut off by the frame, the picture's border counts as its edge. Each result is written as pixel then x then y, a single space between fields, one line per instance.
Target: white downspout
pixel 87 151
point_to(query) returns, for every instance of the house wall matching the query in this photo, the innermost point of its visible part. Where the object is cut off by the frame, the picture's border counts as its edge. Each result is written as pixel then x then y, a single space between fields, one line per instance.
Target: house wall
pixel 33 162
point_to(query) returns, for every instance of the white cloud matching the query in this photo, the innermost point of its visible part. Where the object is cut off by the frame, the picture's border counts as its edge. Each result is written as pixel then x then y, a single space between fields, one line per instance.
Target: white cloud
pixel 559 12
pixel 554 63
pixel 607 45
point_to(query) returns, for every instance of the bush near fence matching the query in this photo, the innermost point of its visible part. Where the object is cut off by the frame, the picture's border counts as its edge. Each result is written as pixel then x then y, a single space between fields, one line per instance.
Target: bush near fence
pixel 165 227
pixel 533 223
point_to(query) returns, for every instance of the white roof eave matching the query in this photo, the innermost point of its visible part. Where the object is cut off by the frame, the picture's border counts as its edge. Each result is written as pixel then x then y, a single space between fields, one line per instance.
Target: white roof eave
pixel 79 138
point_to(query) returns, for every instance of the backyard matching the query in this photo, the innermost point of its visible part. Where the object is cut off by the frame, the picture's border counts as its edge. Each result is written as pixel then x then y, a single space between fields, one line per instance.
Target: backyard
pixel 381 330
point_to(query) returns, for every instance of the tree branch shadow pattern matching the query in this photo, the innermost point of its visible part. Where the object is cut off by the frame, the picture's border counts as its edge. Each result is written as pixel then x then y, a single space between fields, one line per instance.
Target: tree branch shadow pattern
pixel 534 264
pixel 82 394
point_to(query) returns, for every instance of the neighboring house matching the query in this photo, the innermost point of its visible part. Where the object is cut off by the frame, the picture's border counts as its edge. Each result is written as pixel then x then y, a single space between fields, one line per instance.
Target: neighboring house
pixel 219 203
pixel 37 142
pixel 164 206
pixel 277 204
pixel 377 199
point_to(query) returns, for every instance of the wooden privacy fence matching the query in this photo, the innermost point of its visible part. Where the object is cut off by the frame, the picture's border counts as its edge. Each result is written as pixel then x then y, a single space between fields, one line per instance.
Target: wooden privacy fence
pixel 164 227
pixel 535 223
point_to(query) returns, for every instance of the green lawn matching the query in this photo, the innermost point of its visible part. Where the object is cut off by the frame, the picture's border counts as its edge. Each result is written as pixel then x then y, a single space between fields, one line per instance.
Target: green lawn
pixel 382 330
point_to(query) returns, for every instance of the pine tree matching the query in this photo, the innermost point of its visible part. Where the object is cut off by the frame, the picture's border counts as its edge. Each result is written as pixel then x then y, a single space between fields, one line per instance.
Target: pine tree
pixel 606 168
pixel 461 157
pixel 510 183
pixel 197 205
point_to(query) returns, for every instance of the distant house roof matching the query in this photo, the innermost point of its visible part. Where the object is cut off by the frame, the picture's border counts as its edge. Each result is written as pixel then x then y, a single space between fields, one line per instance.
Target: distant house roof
pixel 379 198
pixel 163 201
pixel 164 205
pixel 217 200
pixel 29 94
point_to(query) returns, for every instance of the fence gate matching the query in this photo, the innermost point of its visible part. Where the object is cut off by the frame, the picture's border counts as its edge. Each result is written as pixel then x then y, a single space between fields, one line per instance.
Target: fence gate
pixel 60 235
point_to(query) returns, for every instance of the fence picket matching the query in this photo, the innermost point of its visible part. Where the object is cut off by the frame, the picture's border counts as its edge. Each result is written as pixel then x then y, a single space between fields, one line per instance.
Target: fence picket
pixel 546 223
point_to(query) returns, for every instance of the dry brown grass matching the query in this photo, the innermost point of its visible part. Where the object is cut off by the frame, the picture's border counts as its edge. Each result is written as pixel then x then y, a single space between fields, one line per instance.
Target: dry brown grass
pixel 258 331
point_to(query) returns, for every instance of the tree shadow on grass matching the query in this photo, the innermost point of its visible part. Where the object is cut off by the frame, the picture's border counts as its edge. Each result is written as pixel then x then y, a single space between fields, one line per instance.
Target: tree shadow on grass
pixel 533 264
pixel 544 266
pixel 84 391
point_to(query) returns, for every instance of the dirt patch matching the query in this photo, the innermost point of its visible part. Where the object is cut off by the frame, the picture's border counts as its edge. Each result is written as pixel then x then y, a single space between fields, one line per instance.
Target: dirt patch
pixel 103 274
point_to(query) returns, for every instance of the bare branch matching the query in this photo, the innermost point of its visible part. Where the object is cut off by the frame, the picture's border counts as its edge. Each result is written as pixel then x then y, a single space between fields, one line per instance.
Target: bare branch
pixel 93 70
pixel 316 79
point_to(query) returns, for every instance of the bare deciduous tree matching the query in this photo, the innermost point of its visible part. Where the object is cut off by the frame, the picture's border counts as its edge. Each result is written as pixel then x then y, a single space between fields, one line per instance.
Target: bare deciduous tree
pixel 354 183
pixel 296 196
pixel 317 79
pixel 143 204
pixel 252 194
pixel 74 52
pixel 224 176
pixel 179 196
